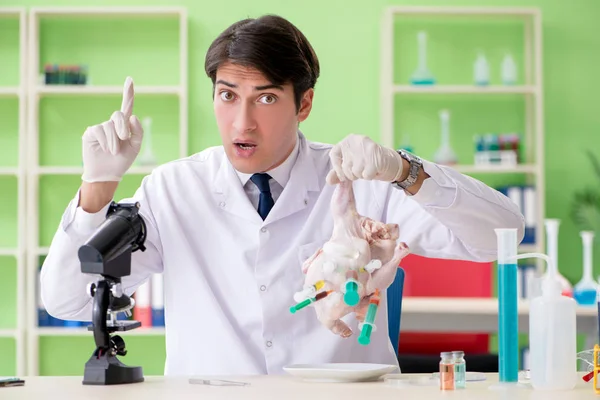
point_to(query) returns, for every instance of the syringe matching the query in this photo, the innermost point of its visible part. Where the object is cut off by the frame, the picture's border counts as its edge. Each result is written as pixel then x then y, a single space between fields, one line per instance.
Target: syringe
pixel 371 266
pixel 308 291
pixel 368 326
pixel 350 289
pixel 309 301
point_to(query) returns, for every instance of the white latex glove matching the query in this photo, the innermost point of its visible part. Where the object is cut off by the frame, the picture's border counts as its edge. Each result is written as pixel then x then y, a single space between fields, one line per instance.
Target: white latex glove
pixel 359 157
pixel 110 148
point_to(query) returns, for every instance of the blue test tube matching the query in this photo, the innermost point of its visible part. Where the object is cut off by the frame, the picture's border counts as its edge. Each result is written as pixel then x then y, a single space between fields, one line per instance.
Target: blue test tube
pixel 508 333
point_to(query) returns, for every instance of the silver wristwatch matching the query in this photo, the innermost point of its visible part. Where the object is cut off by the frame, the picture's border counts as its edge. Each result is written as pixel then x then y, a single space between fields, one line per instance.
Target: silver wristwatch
pixel 415 165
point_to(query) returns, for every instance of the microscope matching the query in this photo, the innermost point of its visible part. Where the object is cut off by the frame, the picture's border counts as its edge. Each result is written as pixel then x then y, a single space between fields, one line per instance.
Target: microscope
pixel 108 253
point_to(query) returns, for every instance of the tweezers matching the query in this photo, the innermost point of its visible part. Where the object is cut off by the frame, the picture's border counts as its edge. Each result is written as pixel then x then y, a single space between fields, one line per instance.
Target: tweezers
pixel 217 382
pixel 12 382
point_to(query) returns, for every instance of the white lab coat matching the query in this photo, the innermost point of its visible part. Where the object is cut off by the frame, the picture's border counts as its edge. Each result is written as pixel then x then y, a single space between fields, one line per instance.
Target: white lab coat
pixel 229 277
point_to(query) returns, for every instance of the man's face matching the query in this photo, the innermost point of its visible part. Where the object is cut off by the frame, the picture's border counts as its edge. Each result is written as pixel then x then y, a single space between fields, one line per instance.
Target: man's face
pixel 257 120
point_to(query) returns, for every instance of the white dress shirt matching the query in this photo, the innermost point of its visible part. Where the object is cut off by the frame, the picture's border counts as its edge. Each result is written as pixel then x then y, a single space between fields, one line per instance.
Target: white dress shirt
pixel 229 277
pixel 280 176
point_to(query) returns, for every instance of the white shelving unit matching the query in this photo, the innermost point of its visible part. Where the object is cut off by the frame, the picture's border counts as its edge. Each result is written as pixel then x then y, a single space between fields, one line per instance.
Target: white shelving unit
pixel 9 91
pixel 10 170
pixel 79 170
pixel 18 172
pixel 532 90
pixel 35 171
pixel 80 90
pixel 463 89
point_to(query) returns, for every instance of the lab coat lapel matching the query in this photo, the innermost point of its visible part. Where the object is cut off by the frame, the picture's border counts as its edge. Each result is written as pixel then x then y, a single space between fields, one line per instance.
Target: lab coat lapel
pixel 303 179
pixel 231 195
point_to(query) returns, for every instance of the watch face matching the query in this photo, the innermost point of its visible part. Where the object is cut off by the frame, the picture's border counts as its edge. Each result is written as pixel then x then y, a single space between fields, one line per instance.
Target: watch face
pixel 409 156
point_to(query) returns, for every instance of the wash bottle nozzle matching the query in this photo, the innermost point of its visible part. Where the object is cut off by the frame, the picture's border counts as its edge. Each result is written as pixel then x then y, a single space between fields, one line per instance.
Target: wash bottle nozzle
pixel 552 225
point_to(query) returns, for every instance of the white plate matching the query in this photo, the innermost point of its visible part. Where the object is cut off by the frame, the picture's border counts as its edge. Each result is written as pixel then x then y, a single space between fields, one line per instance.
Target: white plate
pixel 340 372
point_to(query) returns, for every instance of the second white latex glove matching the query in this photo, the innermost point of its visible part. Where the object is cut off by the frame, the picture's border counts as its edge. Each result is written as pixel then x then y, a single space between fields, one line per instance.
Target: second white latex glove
pixel 359 157
pixel 110 148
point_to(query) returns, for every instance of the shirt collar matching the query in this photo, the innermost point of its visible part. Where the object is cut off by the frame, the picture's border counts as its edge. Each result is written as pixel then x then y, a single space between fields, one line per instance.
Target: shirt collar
pixel 281 173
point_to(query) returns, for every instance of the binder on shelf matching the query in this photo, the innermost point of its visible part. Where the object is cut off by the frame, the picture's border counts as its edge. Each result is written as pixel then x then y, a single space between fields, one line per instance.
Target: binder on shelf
pixel 44 319
pixel 524 197
pixel 526 281
pixel 72 324
pixel 529 287
pixel 158 302
pixel 525 358
pixel 529 196
pixel 142 311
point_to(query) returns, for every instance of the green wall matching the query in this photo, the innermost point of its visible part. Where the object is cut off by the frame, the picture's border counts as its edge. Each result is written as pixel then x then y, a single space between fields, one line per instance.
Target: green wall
pixel 346 38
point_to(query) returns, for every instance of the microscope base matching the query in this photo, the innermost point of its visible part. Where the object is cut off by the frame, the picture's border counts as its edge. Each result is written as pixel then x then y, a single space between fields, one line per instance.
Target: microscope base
pixel 109 370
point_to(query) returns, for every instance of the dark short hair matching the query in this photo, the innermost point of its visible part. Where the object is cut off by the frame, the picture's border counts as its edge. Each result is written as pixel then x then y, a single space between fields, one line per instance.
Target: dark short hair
pixel 270 44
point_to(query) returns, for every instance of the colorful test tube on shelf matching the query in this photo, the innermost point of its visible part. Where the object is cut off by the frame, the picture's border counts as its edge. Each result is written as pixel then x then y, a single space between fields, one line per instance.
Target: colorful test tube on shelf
pixel 369 324
pixel 309 301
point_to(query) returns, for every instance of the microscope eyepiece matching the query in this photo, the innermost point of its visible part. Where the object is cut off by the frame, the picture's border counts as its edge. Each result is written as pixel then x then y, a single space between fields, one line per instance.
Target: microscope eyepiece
pixel 123 231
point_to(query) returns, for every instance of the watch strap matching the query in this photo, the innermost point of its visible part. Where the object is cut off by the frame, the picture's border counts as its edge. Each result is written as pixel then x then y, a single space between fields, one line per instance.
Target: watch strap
pixel 415 165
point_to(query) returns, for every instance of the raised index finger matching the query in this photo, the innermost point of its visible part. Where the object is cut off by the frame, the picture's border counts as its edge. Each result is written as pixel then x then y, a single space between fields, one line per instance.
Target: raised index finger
pixel 127 103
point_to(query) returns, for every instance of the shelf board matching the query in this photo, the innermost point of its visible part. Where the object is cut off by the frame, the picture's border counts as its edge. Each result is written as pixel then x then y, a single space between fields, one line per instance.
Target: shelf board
pixel 496 169
pixel 11 11
pixel 107 11
pixel 464 11
pixel 8 252
pixel 9 91
pixel 48 90
pixel 66 331
pixel 79 170
pixel 463 89
pixel 471 305
pixel 9 171
pixel 42 251
pixel 8 333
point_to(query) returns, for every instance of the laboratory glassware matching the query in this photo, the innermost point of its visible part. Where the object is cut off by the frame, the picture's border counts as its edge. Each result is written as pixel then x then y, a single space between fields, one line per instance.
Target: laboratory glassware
pixel 147 157
pixel 508 70
pixel 585 291
pixel 481 70
pixel 552 323
pixel 460 369
pixel 445 155
pixel 422 75
pixel 446 371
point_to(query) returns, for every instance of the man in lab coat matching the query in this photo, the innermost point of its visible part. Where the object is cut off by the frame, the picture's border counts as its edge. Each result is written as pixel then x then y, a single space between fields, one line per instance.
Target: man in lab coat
pixel 230 240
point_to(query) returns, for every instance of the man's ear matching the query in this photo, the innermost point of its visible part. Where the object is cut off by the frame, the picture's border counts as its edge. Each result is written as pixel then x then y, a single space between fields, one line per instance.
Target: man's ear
pixel 305 104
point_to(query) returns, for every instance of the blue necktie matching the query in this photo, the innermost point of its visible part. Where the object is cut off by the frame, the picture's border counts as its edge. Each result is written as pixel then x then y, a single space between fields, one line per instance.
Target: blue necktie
pixel 265 201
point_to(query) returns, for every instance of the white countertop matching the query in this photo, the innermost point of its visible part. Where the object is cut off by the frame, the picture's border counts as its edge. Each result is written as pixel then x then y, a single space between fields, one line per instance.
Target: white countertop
pixel 281 387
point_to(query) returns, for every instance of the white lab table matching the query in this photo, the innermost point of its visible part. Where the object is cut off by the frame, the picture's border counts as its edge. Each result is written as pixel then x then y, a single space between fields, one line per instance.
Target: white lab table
pixel 452 314
pixel 282 387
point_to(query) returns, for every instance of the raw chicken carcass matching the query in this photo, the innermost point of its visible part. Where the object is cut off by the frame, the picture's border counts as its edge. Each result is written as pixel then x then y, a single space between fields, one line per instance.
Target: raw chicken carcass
pixel 362 251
